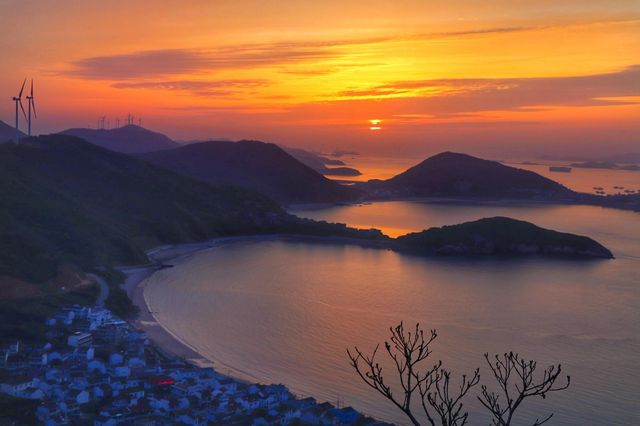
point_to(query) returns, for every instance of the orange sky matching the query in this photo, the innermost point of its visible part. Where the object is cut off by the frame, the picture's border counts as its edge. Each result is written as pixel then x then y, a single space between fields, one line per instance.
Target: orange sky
pixel 513 77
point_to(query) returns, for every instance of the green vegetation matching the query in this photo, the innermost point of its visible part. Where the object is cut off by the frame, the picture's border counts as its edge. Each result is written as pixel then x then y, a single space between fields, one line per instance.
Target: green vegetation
pixel 117 302
pixel 66 200
pixel 501 235
pixel 26 320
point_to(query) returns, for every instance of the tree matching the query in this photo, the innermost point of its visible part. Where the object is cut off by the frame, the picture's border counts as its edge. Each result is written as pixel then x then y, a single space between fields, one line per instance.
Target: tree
pixel 433 386
pixel 440 401
pixel 511 365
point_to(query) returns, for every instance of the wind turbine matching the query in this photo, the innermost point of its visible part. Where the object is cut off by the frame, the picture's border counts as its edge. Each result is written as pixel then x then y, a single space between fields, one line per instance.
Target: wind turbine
pixel 31 103
pixel 18 100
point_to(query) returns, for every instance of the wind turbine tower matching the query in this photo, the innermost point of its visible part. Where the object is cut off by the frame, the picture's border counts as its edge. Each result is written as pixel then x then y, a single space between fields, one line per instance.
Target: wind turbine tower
pixel 18 101
pixel 31 104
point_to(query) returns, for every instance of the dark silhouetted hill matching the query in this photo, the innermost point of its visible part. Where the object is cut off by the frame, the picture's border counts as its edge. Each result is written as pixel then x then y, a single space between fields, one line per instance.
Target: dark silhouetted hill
pixel 260 166
pixel 7 132
pixel 459 175
pixel 67 201
pixel 130 139
pixel 501 235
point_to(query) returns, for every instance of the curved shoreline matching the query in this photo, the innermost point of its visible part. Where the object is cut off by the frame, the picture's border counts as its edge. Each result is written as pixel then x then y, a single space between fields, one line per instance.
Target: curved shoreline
pixel 137 278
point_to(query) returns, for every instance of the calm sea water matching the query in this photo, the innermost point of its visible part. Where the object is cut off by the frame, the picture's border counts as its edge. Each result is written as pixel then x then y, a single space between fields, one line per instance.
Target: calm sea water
pixel 285 311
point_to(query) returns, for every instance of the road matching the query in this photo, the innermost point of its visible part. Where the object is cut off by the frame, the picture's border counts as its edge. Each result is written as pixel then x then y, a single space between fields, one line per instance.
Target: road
pixel 104 289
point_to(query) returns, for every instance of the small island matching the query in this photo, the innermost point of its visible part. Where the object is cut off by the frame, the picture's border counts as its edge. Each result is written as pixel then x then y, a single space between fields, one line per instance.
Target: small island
pixel 501 236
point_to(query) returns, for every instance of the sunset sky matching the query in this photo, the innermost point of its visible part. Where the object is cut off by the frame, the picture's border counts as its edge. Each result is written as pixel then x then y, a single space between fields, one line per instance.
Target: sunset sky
pixel 496 76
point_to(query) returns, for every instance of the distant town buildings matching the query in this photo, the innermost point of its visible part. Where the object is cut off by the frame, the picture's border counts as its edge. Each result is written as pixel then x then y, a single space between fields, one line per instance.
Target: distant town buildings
pixel 94 368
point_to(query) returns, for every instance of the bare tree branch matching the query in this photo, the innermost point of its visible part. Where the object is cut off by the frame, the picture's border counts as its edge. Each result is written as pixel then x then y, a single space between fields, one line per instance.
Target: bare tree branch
pixel 524 385
pixel 407 349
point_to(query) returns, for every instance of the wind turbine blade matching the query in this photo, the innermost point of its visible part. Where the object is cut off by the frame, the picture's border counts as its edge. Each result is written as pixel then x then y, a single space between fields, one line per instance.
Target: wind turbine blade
pixel 23 112
pixel 32 88
pixel 33 105
pixel 22 88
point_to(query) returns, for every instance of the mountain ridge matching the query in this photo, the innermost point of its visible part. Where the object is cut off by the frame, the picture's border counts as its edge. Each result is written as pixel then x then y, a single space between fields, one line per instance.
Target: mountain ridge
pixel 260 166
pixel 129 139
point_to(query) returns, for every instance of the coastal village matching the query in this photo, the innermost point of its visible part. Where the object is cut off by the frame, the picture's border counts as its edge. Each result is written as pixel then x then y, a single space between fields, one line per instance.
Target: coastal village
pixel 94 368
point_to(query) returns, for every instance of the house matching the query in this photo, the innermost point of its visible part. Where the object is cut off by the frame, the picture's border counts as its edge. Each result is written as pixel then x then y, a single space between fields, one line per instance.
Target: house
pixel 16 384
pixel 136 362
pixel 98 317
pixel 342 416
pixel 122 371
pixel 116 359
pixel 80 396
pixel 96 365
pixel 312 415
pixel 31 393
pixel 79 339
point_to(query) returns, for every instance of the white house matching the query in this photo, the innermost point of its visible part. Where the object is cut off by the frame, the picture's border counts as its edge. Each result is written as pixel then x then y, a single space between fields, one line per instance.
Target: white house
pixel 15 385
pixel 122 371
pixel 116 359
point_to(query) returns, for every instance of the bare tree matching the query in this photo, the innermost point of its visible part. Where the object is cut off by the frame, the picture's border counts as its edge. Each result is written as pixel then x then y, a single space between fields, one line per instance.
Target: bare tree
pixel 510 366
pixel 446 404
pixel 408 349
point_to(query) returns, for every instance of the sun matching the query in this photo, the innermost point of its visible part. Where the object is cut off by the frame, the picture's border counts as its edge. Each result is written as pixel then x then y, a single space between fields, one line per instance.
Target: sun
pixel 375 124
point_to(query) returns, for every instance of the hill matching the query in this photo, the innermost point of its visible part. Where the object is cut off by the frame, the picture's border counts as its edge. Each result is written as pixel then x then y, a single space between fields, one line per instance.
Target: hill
pixel 129 139
pixel 501 235
pixel 67 201
pixel 260 166
pixel 459 175
pixel 7 132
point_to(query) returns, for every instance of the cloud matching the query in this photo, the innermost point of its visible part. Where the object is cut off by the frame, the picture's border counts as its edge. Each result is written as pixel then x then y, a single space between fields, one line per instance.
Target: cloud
pixel 159 63
pixel 172 62
pixel 196 87
pixel 456 96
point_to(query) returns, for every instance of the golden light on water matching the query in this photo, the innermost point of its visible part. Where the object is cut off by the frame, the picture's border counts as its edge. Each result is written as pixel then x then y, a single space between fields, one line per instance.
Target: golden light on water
pixel 375 124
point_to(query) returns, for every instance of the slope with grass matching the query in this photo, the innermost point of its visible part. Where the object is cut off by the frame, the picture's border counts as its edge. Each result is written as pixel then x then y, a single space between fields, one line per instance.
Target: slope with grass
pixel 65 200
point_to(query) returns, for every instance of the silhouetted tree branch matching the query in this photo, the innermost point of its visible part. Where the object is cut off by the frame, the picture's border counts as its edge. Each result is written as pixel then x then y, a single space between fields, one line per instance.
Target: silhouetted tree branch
pixel 447 404
pixel 407 349
pixel 510 366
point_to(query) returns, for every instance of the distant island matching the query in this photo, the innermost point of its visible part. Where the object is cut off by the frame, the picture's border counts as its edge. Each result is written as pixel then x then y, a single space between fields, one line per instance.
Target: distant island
pixel 341 153
pixel 321 164
pixel 451 174
pixel 501 236
pixel 607 165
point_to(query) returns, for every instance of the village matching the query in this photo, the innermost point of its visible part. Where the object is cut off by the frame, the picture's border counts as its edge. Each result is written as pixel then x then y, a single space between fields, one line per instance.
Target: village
pixel 94 368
